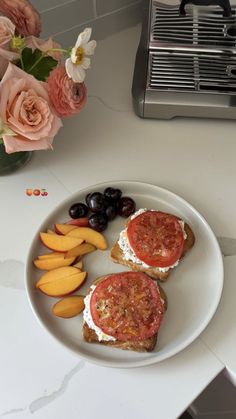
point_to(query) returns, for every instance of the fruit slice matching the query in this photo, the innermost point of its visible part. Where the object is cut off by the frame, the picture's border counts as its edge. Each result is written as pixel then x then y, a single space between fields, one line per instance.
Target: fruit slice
pixel 69 307
pixel 61 281
pixel 90 236
pixel 51 255
pixel 80 250
pixel 64 228
pixel 53 263
pixel 81 222
pixel 50 231
pixel 59 243
pixel 79 265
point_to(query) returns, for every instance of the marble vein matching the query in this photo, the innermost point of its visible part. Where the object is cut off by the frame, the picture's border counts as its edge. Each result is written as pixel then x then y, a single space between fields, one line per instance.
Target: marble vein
pixel 108 106
pixel 10 412
pixel 44 400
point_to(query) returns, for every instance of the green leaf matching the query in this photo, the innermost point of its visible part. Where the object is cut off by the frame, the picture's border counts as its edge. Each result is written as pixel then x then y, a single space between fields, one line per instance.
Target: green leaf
pixel 36 63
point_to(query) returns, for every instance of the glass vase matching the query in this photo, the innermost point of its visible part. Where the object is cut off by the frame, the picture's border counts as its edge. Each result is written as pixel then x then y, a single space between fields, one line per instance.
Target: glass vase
pixel 11 162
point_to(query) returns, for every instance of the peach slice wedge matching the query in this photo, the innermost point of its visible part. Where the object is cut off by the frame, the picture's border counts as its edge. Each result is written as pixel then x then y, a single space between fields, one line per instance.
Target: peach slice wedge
pixel 69 306
pixel 90 236
pixel 53 263
pixel 51 255
pixel 80 250
pixel 59 243
pixel 64 228
pixel 79 264
pixel 61 281
pixel 50 231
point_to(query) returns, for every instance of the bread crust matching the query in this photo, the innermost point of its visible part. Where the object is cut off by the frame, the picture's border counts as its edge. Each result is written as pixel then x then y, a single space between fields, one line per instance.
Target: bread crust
pixel 145 345
pixel 117 257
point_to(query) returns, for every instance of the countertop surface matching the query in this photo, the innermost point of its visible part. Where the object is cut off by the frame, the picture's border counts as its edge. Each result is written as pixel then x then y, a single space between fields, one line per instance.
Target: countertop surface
pixel 107 141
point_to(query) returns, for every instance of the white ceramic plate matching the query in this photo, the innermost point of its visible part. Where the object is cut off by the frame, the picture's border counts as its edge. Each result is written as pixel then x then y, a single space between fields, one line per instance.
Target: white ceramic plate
pixel 193 288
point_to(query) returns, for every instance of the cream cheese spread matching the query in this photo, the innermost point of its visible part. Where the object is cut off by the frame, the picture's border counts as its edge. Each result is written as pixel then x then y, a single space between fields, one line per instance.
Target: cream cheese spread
pixel 89 320
pixel 130 255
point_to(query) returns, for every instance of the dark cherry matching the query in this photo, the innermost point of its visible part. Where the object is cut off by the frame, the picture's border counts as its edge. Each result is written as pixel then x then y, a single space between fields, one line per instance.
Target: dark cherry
pixel 98 221
pixel 112 194
pixel 96 202
pixel 111 212
pixel 87 198
pixel 126 206
pixel 78 210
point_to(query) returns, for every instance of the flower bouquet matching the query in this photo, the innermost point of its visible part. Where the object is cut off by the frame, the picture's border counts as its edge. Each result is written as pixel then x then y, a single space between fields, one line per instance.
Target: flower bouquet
pixel 40 81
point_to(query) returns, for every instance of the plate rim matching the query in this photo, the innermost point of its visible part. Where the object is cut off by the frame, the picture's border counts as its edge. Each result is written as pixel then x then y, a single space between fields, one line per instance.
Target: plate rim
pixel 141 362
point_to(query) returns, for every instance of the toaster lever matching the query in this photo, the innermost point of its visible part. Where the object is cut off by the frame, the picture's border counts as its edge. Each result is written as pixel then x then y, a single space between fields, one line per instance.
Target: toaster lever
pixel 225 4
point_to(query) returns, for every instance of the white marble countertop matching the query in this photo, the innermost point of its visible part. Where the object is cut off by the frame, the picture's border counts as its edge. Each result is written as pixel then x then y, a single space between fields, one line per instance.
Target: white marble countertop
pixel 193 158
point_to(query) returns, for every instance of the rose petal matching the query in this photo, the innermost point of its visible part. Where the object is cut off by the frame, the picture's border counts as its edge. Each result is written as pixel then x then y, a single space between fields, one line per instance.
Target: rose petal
pixel 13 144
pixel 25 108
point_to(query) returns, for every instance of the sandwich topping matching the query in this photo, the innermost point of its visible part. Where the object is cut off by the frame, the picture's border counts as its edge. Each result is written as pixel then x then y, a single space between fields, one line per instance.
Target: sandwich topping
pixel 126 306
pixel 89 320
pixel 153 239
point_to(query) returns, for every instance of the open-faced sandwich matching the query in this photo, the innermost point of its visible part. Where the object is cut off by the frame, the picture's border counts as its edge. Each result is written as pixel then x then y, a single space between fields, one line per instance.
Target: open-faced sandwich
pixel 124 310
pixel 153 242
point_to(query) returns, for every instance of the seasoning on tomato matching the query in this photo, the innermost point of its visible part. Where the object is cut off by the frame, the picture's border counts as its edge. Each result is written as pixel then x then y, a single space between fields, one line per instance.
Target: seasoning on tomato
pixel 156 238
pixel 127 306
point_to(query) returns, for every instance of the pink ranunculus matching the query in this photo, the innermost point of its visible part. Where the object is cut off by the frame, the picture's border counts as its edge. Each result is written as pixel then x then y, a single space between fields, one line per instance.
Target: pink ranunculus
pixel 23 15
pixel 44 46
pixel 67 97
pixel 26 110
pixel 7 31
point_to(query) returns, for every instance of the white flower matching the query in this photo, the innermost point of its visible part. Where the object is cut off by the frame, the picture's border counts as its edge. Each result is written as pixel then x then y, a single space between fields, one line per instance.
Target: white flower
pixel 78 61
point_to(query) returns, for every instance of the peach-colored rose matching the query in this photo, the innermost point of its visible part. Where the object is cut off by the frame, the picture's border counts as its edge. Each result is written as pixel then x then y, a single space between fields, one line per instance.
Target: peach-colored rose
pixel 44 45
pixel 26 110
pixel 23 15
pixel 7 30
pixel 67 97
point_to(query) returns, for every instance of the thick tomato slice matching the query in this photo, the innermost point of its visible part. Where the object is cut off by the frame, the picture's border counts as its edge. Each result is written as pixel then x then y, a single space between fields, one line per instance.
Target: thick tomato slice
pixel 127 306
pixel 156 238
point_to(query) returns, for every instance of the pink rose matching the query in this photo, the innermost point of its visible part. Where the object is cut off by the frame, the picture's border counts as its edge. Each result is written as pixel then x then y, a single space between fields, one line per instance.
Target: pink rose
pixel 67 97
pixel 7 31
pixel 23 15
pixel 25 109
pixel 44 45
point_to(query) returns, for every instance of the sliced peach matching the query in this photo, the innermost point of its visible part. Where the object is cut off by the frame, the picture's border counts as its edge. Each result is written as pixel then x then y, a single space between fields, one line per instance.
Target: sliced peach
pixel 59 243
pixel 80 250
pixel 69 306
pixel 79 265
pixel 50 231
pixel 61 281
pixel 53 263
pixel 64 228
pixel 51 255
pixel 90 236
pixel 81 222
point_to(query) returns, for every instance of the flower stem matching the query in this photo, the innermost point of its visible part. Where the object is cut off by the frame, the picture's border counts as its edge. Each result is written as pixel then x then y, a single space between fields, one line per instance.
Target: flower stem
pixel 57 50
pixel 22 62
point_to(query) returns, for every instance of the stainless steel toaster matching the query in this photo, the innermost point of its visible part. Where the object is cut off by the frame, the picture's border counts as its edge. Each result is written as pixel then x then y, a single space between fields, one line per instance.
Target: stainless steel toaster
pixel 186 60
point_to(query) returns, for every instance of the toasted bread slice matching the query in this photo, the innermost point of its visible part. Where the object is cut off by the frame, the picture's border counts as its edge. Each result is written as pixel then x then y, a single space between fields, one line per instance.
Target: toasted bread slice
pixel 155 273
pixel 146 345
